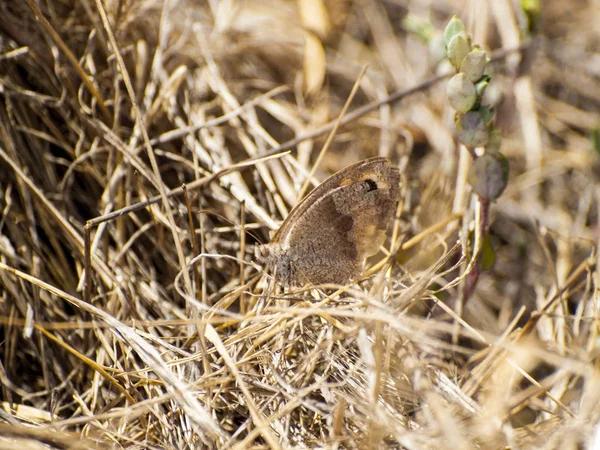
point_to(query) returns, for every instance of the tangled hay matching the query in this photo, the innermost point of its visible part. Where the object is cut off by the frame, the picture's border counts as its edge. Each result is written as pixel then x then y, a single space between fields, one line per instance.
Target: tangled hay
pixel 175 338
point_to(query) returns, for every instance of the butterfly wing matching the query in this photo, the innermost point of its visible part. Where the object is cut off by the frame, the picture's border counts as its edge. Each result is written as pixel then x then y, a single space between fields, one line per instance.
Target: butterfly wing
pixel 330 240
pixel 346 175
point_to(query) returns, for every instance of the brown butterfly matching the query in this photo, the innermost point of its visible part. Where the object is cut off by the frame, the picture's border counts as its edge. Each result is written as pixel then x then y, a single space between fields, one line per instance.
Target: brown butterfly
pixel 329 234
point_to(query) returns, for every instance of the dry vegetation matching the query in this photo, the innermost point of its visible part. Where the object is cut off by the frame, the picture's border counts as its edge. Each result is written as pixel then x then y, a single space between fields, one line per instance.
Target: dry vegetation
pixel 184 342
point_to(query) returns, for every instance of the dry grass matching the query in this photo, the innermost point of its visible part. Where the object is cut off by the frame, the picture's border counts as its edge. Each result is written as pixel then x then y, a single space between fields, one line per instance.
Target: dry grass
pixel 184 343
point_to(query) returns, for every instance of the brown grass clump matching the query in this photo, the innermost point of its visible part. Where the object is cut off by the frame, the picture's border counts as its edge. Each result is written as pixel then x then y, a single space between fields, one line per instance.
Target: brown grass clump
pixel 181 340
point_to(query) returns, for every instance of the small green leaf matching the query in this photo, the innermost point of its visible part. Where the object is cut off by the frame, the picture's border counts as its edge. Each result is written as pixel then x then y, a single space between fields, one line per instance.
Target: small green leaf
pixel 461 93
pixel 481 85
pixel 474 64
pixel 454 28
pixel 458 48
pixel 472 130
pixel 488 175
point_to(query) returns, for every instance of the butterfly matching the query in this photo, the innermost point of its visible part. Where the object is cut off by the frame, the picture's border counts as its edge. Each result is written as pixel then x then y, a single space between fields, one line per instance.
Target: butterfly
pixel 328 235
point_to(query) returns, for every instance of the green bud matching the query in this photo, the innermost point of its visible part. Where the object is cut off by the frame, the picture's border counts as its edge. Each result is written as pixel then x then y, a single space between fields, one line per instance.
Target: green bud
pixel 481 85
pixel 472 129
pixel 458 48
pixel 474 64
pixel 461 93
pixel 454 28
pixel 489 175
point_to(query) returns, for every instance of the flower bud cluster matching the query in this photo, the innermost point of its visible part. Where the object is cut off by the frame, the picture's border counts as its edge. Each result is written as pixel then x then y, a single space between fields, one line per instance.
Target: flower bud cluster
pixel 474 122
